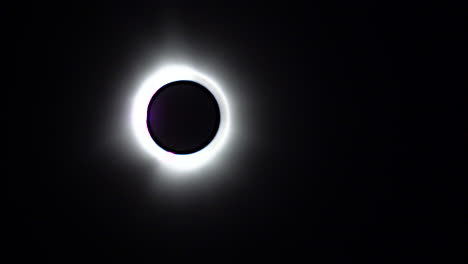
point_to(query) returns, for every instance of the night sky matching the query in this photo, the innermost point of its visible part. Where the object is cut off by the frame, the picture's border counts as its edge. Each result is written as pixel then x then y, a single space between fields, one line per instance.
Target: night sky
pixel 346 146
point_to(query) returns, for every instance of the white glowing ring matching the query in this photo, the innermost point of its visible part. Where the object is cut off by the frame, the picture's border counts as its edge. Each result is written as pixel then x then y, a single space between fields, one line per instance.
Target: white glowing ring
pixel 140 104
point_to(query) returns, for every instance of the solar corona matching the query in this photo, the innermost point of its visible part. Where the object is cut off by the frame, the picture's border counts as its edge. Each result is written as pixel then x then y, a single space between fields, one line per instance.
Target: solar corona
pixel 181 117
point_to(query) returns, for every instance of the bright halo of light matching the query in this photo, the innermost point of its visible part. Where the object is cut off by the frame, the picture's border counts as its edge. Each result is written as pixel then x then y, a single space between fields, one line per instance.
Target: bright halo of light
pixel 161 77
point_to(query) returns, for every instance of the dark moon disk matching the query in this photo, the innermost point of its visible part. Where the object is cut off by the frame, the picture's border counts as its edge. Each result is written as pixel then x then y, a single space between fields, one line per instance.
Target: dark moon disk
pixel 183 117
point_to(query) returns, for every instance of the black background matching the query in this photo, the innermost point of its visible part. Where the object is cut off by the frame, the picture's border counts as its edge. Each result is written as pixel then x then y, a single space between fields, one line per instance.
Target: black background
pixel 355 108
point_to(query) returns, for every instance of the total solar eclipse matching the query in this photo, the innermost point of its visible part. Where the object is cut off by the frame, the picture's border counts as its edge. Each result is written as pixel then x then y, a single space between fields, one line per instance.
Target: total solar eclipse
pixel 183 117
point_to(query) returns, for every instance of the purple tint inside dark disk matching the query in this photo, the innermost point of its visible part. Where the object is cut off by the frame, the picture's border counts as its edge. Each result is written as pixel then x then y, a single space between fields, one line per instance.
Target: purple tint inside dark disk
pixel 183 117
